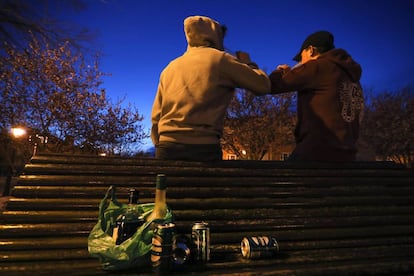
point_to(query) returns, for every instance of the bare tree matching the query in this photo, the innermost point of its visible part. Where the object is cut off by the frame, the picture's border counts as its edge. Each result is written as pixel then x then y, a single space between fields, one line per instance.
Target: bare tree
pixel 22 19
pixel 254 125
pixel 388 125
pixel 57 93
pixel 120 131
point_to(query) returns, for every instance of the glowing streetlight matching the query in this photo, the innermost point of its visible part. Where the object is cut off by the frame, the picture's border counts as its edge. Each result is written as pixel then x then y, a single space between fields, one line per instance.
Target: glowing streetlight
pixel 18 132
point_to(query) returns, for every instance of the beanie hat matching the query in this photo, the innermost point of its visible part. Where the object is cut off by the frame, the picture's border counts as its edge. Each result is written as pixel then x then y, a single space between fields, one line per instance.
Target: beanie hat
pixel 320 39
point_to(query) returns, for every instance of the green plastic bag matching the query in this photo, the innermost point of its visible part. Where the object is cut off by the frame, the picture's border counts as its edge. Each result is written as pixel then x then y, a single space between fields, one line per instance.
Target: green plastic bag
pixel 133 252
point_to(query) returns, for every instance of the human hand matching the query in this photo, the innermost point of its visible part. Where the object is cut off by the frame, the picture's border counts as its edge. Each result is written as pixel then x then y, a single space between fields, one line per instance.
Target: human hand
pixel 283 67
pixel 243 57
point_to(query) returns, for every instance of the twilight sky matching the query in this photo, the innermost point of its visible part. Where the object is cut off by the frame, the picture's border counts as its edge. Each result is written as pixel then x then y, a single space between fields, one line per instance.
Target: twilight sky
pixel 138 38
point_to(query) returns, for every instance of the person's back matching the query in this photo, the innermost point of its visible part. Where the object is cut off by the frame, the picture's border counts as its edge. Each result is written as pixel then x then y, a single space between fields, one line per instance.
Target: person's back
pixel 195 98
pixel 330 100
pixel 194 92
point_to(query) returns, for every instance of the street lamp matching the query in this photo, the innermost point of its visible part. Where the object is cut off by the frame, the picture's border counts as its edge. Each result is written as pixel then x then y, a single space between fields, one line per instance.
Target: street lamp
pixel 18 132
pixel 15 133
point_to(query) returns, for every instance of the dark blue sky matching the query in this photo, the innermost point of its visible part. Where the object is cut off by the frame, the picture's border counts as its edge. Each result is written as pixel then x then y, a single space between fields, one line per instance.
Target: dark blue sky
pixel 138 38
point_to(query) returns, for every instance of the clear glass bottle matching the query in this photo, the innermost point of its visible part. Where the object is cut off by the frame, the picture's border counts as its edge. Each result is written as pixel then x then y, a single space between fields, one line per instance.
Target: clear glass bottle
pixel 127 224
pixel 160 204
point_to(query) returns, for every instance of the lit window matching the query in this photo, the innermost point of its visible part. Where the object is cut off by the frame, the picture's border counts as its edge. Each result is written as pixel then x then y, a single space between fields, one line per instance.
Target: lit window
pixel 284 156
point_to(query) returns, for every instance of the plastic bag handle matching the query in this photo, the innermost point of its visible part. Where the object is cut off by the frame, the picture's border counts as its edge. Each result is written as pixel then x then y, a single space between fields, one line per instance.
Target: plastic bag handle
pixel 111 192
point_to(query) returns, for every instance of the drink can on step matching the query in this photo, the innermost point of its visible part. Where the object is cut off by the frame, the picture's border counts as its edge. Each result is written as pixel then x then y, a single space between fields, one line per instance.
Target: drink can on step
pixel 162 247
pixel 200 236
pixel 259 247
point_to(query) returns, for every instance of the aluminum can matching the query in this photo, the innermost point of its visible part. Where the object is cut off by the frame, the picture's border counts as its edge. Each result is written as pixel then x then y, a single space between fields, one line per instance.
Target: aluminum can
pixel 181 251
pixel 200 236
pixel 259 247
pixel 162 248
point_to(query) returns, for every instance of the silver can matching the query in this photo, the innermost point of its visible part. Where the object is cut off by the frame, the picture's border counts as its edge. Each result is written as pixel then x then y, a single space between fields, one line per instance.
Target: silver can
pixel 162 247
pixel 200 236
pixel 259 247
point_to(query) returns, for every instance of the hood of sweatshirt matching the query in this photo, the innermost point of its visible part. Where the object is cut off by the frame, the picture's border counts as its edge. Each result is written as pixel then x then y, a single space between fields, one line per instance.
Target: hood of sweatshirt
pixel 202 31
pixel 345 62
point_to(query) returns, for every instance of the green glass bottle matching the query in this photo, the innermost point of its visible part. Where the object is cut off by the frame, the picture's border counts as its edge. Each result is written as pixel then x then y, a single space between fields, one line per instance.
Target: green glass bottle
pixel 160 204
pixel 128 223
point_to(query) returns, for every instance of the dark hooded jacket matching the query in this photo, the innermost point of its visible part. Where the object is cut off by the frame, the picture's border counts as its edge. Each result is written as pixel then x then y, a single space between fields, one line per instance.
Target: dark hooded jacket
pixel 329 106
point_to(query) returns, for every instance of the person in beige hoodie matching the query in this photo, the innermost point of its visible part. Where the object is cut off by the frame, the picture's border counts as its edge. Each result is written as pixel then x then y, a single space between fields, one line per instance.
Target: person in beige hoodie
pixel 195 90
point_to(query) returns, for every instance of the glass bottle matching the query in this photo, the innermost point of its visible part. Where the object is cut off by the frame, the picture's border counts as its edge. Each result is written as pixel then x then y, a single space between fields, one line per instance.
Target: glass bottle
pixel 160 204
pixel 128 223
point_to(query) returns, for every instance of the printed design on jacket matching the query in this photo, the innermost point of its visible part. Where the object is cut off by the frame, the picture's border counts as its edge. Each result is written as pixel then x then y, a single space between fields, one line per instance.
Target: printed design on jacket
pixel 352 100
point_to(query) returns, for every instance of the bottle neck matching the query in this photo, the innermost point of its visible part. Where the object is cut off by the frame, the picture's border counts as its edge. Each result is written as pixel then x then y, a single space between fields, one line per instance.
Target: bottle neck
pixel 133 197
pixel 160 196
pixel 160 189
pixel 132 201
pixel 160 204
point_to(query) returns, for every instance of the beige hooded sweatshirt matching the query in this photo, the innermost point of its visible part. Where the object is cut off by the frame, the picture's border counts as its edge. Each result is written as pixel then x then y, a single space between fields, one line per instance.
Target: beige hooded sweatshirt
pixel 195 89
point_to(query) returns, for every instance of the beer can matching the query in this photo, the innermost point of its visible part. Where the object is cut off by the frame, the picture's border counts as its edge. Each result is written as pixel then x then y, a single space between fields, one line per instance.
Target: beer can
pixel 181 251
pixel 200 236
pixel 162 247
pixel 259 247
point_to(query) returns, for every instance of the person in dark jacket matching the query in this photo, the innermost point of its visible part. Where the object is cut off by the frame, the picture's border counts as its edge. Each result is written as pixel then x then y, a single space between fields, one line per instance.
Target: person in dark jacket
pixel 330 99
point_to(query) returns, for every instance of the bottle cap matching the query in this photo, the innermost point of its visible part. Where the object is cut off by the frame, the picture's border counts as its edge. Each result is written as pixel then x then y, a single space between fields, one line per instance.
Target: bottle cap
pixel 161 182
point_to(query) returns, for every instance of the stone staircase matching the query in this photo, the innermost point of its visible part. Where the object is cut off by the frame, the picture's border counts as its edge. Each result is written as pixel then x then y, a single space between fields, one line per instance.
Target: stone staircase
pixel 329 218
